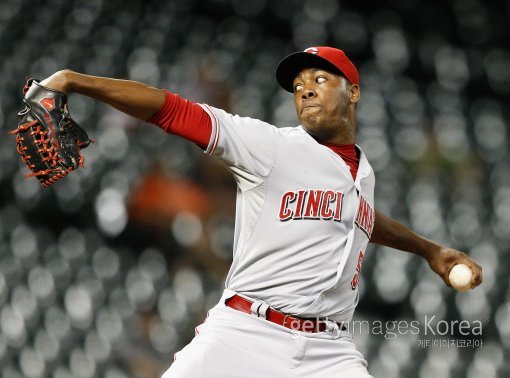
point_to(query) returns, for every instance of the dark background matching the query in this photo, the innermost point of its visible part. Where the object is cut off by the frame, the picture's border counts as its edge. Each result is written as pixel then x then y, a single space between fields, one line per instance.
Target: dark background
pixel 107 273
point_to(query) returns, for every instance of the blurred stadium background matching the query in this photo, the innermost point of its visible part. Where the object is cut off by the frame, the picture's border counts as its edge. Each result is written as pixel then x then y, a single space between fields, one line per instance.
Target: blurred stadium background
pixel 107 273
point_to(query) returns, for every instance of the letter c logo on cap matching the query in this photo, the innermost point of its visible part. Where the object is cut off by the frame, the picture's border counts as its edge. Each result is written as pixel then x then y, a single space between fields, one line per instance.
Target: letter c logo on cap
pixel 312 50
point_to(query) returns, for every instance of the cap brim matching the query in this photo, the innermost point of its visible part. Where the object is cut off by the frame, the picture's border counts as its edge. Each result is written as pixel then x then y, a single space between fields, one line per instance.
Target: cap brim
pixel 292 64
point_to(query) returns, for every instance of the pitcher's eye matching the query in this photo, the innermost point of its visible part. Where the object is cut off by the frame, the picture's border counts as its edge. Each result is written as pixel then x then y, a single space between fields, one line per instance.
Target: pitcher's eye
pixel 320 79
pixel 298 87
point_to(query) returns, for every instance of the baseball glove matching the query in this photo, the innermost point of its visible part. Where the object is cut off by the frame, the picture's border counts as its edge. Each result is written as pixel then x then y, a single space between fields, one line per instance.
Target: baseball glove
pixel 47 138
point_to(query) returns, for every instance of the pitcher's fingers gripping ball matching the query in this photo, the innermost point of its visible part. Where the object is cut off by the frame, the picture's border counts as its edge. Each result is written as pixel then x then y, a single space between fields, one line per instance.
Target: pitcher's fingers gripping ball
pixel 47 138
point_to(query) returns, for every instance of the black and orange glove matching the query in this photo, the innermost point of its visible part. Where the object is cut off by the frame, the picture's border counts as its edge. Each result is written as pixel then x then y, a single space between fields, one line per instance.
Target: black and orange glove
pixel 47 138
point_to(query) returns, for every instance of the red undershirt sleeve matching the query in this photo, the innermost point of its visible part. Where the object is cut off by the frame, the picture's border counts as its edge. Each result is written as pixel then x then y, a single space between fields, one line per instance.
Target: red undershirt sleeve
pixel 183 118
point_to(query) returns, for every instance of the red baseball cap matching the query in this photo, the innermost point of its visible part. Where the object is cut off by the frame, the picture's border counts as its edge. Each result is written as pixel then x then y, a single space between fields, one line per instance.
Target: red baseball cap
pixel 327 58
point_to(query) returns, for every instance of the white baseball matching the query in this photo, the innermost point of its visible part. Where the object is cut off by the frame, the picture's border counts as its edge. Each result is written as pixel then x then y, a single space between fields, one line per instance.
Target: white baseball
pixel 460 277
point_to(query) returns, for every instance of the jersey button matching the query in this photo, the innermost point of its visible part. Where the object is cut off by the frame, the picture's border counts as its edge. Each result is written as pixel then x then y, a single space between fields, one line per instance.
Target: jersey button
pixel 323 297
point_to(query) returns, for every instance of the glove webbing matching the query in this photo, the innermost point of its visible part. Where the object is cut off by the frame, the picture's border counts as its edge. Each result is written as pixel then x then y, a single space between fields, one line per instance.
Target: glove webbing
pixel 42 141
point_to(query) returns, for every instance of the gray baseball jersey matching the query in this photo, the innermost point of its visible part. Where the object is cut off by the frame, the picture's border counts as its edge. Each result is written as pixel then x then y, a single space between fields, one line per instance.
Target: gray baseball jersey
pixel 302 222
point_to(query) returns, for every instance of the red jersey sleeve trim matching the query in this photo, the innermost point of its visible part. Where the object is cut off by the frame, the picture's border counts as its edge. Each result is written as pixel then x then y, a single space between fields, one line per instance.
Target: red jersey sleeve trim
pixel 184 118
pixel 215 133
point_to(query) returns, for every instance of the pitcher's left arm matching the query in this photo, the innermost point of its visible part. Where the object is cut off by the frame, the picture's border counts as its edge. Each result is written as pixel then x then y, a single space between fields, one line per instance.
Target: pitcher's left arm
pixel 390 233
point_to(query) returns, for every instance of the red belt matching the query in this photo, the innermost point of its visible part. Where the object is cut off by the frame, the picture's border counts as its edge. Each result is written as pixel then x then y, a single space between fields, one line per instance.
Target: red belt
pixel 299 324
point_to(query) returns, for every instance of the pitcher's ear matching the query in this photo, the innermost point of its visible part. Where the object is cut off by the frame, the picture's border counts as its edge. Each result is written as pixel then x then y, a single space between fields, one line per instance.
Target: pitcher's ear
pixel 354 93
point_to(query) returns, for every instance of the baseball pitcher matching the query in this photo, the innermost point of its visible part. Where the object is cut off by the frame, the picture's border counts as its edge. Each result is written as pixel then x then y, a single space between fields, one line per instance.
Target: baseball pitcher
pixel 305 214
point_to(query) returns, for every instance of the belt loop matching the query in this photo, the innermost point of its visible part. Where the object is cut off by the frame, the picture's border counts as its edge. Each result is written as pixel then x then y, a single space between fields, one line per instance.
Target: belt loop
pixel 255 308
pixel 331 327
pixel 259 309
pixel 263 310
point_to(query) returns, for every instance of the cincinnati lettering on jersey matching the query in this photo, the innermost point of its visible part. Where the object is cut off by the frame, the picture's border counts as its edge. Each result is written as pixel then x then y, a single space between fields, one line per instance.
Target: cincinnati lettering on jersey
pixel 311 204
pixel 365 217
